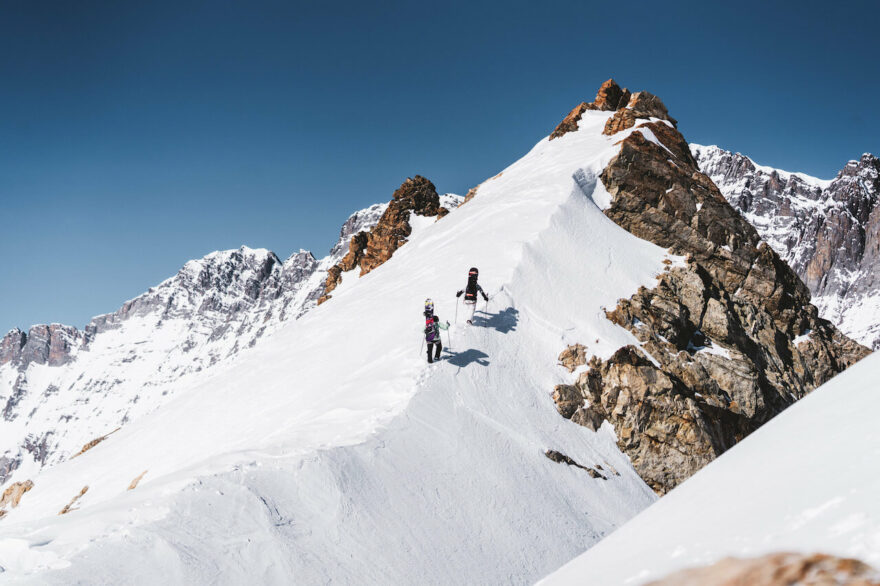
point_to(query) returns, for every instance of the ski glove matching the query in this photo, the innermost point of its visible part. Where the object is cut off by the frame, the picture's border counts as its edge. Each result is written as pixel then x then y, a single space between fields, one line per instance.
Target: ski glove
pixel 459 293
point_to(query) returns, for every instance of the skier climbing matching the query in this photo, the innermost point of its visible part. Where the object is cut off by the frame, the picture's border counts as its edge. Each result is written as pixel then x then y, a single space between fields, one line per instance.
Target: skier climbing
pixel 432 331
pixel 470 293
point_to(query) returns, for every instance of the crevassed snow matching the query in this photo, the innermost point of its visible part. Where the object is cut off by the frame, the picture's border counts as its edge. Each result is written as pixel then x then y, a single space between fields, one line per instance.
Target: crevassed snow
pixel 805 481
pixel 332 451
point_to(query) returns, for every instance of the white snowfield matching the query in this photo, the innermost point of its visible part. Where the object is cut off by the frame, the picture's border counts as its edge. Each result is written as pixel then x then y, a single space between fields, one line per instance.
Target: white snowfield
pixel 331 451
pixel 807 481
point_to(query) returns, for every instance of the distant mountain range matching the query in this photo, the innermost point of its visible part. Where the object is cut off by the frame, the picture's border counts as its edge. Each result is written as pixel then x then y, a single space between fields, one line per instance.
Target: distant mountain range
pixel 827 230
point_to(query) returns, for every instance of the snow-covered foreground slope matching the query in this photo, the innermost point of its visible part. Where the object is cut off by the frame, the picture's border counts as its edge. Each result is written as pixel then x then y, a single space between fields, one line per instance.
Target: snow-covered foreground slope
pixel 332 451
pixel 807 481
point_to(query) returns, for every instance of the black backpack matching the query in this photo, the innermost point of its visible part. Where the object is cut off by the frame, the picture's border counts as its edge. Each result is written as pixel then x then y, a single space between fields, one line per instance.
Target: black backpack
pixel 470 292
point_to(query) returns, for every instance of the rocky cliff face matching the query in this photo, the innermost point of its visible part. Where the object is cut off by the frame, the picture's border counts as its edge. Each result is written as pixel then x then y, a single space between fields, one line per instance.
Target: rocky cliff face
pixel 369 249
pixel 125 364
pixel 827 231
pixel 727 339
pixel 52 344
pixel 777 569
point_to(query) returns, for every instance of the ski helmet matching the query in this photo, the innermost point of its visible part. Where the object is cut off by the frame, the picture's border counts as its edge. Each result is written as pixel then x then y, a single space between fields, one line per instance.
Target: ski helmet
pixel 473 272
pixel 429 305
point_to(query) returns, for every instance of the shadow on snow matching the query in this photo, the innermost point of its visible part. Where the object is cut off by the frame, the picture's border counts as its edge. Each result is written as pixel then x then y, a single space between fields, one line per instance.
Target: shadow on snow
pixel 462 359
pixel 504 321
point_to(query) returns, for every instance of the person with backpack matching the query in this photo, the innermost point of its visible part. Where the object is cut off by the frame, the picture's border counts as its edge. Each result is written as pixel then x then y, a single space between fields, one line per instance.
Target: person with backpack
pixel 432 332
pixel 470 293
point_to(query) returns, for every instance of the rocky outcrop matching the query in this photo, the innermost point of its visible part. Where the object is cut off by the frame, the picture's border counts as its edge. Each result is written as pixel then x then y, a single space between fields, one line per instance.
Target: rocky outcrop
pixel 573 357
pixel 726 341
pixel 16 393
pixel 88 446
pixel 13 493
pixel 472 192
pixel 561 458
pixel 71 506
pixel 134 483
pixel 51 344
pixel 778 569
pixel 827 231
pixel 610 97
pixel 641 105
pixel 370 249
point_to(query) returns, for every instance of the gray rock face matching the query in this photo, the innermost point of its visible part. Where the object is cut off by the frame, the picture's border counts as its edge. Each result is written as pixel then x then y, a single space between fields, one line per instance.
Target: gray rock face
pixel 227 290
pixel 827 231
pixel 52 344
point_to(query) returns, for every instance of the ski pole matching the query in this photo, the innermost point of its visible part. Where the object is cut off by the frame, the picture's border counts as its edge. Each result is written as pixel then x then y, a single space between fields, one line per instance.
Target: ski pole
pixel 423 345
pixel 448 336
pixel 457 299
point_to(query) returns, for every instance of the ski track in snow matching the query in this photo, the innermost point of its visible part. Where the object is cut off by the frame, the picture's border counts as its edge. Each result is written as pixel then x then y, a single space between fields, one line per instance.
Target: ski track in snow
pixel 332 451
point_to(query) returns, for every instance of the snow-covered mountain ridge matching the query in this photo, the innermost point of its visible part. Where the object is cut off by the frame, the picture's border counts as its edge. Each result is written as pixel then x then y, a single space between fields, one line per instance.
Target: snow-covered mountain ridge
pixel 330 451
pixel 61 387
pixel 827 230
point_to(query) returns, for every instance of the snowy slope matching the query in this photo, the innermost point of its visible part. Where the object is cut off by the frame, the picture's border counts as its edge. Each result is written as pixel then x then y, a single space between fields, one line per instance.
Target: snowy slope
pixel 332 451
pixel 806 481
pixel 128 363
pixel 828 231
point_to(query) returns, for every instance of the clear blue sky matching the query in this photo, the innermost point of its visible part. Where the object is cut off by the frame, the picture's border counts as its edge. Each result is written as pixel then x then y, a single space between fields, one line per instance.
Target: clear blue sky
pixel 137 135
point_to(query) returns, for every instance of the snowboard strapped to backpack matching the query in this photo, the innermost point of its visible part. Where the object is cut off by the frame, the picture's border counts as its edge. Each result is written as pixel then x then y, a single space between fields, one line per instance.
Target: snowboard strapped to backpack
pixel 470 292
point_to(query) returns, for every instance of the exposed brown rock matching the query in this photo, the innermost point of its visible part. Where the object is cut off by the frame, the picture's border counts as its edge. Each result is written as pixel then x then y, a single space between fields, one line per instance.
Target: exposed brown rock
pixel 570 122
pixel 368 250
pixel 568 399
pixel 13 493
pixel 642 105
pixel 609 98
pixel 719 331
pixel 778 569
pixel 561 458
pixel 621 120
pixel 137 479
pixel 88 446
pixel 70 506
pixel 416 195
pixel 573 356
pixel 472 192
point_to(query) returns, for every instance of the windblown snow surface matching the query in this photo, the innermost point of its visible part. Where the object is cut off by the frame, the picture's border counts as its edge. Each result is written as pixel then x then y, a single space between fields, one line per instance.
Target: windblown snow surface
pixel 331 451
pixel 806 481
